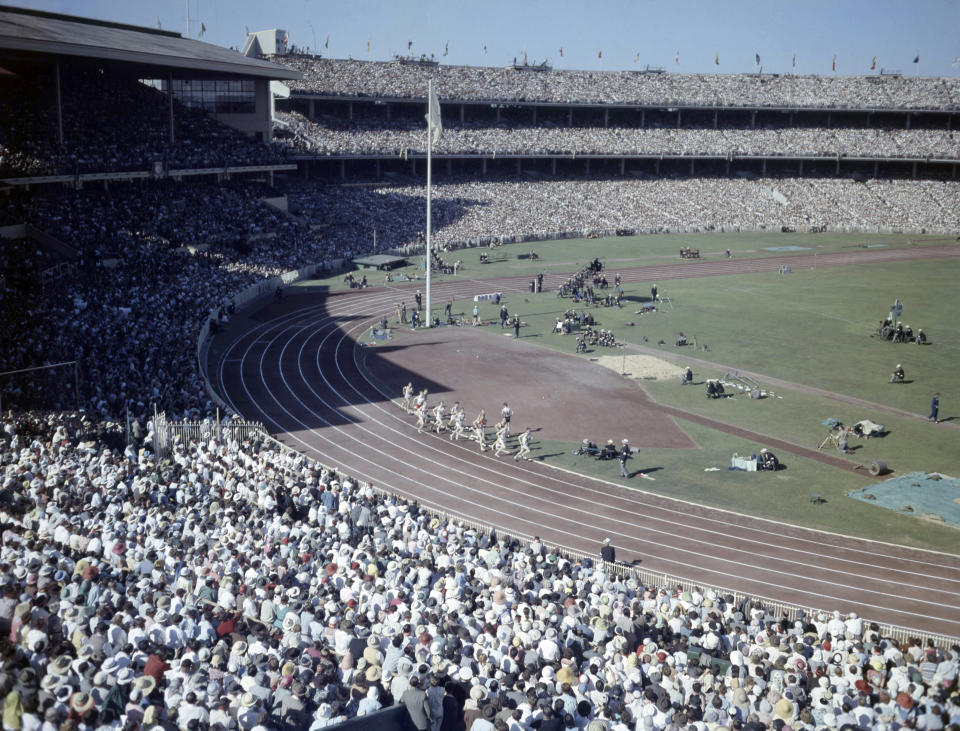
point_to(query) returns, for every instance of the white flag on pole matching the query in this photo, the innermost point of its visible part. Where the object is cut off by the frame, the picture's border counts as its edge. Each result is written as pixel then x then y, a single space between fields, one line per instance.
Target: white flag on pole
pixel 433 116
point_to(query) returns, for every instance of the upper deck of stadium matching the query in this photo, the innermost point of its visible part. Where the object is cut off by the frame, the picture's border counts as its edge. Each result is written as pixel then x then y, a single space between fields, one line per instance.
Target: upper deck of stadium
pixel 408 81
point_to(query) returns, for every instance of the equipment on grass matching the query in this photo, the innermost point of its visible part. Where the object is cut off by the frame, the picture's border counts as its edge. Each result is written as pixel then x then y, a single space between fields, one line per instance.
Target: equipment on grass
pixel 737 380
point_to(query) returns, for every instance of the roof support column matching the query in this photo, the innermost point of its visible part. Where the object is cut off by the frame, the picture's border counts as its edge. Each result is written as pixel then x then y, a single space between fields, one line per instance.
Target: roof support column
pixel 170 105
pixel 59 104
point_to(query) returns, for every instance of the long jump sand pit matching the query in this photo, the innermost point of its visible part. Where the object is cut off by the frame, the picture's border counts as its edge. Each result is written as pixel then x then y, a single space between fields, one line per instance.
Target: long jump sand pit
pixel 566 397
pixel 641 366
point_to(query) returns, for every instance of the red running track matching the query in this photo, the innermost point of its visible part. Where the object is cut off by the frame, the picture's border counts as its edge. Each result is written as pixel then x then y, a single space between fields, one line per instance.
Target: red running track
pixel 298 372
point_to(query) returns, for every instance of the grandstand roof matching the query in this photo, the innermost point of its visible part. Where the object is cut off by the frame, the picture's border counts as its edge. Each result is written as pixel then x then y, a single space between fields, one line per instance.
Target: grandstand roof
pixel 37 33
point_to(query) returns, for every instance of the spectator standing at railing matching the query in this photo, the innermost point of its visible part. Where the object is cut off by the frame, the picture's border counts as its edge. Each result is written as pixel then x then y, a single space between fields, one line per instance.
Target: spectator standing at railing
pixel 608 553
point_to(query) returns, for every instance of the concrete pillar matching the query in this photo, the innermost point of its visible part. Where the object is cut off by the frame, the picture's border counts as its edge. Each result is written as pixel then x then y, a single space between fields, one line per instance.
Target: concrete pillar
pixel 570 117
pixel 170 104
pixel 909 117
pixel 801 169
pixel 728 167
pixel 461 113
pixel 692 172
pixel 606 117
pixel 498 115
pixel 350 111
pixel 623 166
pixel 838 167
pixel 553 166
pixel 643 118
pixel 753 119
pixel 764 168
pixel 343 168
pixel 59 105
pixel 483 167
pixel 413 163
pixel 876 168
pixel 270 178
pixel 678 118
pixel 716 114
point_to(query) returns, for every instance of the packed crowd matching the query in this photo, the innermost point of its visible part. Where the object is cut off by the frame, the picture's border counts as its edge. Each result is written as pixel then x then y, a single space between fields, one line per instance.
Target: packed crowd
pixel 234 585
pixel 111 123
pixel 471 212
pixel 375 138
pixel 155 258
pixel 133 323
pixel 475 83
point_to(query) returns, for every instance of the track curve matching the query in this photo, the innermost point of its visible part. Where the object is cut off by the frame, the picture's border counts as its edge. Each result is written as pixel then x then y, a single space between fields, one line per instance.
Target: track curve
pixel 298 372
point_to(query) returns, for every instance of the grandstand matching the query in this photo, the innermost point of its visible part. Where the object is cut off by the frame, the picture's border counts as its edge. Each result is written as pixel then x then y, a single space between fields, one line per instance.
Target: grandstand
pixel 343 115
pixel 204 574
pixel 87 100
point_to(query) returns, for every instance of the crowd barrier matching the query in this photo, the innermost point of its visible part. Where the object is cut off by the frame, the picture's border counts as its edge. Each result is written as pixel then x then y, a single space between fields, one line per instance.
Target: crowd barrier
pixel 222 432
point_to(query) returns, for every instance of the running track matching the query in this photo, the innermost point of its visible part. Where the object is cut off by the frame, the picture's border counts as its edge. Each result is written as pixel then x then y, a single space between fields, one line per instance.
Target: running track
pixel 297 372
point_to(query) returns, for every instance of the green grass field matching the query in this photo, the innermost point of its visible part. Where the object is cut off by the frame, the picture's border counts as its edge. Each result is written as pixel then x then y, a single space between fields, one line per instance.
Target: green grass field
pixel 812 327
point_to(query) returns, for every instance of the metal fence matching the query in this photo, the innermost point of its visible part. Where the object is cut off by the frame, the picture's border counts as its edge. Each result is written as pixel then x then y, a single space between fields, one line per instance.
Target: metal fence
pixel 168 433
pixel 220 431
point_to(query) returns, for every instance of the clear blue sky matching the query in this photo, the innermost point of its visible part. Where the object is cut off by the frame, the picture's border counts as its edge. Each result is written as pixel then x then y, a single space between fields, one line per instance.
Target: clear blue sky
pixel 700 31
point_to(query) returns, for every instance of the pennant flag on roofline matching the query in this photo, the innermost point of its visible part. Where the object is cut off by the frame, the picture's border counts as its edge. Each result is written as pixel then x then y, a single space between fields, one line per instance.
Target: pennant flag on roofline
pixel 158 22
pixel 716 58
pixel 794 60
pixel 756 57
pixel 446 49
pixel 676 59
pixel 834 62
pixel 636 59
pixel 203 29
pixel 327 44
pixel 409 45
pixel 917 58
pixel 600 54
pixel 484 49
pixel 874 64
pixel 561 51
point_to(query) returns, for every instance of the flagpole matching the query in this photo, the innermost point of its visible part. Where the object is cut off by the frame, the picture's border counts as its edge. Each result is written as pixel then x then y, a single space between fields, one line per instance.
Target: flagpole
pixel 429 263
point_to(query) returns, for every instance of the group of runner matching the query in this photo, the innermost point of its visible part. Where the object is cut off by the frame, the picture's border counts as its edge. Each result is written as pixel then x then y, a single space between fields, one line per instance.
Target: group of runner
pixel 439 420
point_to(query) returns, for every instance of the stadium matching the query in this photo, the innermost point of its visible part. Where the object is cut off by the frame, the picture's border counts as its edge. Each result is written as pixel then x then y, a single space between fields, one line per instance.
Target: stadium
pixel 219 511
